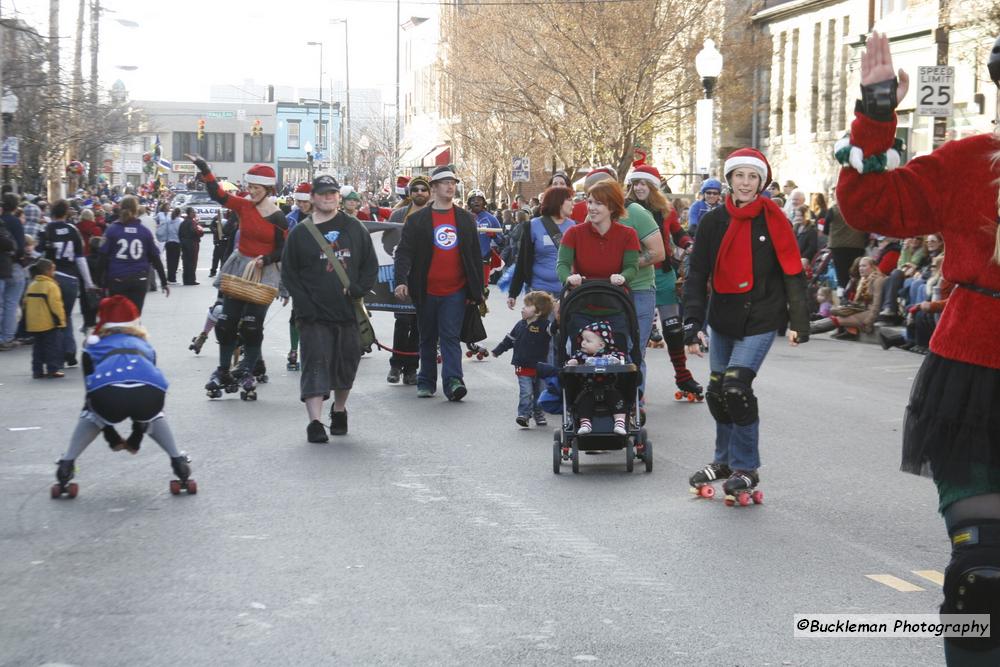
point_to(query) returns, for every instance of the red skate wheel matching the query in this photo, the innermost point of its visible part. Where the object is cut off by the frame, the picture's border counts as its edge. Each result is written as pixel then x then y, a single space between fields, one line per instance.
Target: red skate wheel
pixel 744 499
pixel 192 487
pixel 691 398
pixel 175 486
pixel 707 492
pixel 678 395
pixel 55 491
pixel 73 489
pixel 758 497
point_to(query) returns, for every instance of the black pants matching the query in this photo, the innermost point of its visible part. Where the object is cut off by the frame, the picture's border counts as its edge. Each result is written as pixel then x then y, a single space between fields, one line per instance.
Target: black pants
pixel 842 260
pixel 405 338
pixel 116 404
pixel 189 253
pixel 173 250
pixel 217 256
pixel 132 287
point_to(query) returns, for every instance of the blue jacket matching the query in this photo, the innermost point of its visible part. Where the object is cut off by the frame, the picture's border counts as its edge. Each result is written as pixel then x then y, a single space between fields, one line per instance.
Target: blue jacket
pixel 486 241
pixel 121 358
pixel 530 342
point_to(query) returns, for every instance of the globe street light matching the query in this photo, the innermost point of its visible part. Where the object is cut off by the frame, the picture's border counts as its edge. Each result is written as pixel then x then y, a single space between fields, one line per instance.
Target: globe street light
pixel 708 64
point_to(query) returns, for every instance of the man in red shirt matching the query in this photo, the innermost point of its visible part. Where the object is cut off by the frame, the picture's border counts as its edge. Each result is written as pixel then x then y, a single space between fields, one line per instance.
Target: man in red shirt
pixel 439 267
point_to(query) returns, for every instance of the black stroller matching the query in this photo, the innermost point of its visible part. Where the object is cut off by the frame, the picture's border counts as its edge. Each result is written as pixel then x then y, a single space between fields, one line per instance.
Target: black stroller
pixel 599 300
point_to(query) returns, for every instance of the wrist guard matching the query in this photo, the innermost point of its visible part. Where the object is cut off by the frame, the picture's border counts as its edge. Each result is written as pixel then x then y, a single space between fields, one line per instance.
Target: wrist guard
pixel 202 167
pixel 691 329
pixel 878 100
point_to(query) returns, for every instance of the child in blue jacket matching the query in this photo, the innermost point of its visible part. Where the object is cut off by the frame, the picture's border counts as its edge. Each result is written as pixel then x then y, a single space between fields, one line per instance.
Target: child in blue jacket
pixel 530 340
pixel 122 382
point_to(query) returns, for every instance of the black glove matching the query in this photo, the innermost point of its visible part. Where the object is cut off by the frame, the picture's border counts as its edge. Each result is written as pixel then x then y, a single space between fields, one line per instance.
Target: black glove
pixel 691 329
pixel 878 100
pixel 202 167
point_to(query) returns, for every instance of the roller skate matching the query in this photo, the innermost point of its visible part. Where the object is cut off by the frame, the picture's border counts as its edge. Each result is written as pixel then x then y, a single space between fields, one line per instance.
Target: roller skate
pixel 260 371
pixel 701 481
pixel 248 387
pixel 689 390
pixel 198 342
pixel 741 488
pixel 182 469
pixel 64 473
pixel 477 351
pixel 655 337
pixel 293 361
pixel 221 380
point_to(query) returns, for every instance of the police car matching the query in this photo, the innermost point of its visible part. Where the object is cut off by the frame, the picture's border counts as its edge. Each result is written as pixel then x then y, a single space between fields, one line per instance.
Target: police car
pixel 204 206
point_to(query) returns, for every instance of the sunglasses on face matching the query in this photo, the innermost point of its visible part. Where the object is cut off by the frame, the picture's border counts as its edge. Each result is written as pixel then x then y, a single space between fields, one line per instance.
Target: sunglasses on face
pixel 418 189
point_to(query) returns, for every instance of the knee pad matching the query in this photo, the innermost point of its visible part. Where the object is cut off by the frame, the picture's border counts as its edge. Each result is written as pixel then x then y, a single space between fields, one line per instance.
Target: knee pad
pixel 214 312
pixel 972 578
pixel 740 399
pixel 225 329
pixel 251 331
pixel 672 325
pixel 716 401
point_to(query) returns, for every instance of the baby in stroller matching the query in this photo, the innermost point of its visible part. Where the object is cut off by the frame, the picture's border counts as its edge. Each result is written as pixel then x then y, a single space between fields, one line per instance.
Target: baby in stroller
pixel 597 348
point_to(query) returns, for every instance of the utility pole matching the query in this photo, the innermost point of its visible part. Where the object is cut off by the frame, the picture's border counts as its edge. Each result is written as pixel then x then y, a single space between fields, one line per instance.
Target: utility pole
pixel 95 22
pixel 3 133
pixel 395 148
pixel 54 175
pixel 76 117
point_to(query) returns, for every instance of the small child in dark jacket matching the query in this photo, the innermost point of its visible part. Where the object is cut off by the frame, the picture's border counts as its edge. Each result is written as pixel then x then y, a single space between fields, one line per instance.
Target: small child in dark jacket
pixel 530 340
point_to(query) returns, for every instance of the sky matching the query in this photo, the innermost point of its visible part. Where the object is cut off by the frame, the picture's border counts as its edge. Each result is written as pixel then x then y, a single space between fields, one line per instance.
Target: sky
pixel 181 47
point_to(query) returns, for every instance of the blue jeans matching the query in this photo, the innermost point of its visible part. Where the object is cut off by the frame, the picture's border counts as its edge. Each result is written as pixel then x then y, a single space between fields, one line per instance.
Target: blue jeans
pixel 11 290
pixel 440 318
pixel 737 446
pixel 70 288
pixel 527 402
pixel 645 308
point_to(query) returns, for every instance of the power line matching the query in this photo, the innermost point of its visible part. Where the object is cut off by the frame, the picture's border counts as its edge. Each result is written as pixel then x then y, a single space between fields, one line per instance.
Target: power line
pixel 497 3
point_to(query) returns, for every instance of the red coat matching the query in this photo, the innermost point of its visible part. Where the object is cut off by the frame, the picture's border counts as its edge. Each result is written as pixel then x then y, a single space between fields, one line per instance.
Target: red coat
pixel 952 191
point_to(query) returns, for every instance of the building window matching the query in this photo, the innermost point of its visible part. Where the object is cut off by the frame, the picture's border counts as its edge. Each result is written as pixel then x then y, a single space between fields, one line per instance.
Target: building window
pixel 187 142
pixel 319 131
pixel 892 6
pixel 831 51
pixel 294 133
pixel 793 107
pixel 220 146
pixel 842 84
pixel 814 99
pixel 779 111
pixel 258 149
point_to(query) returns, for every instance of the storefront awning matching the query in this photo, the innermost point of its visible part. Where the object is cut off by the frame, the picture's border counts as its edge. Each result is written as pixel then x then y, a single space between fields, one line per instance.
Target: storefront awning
pixel 438 156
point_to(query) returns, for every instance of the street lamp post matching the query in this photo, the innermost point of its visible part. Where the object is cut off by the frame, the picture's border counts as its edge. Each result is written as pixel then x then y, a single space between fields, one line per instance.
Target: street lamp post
pixel 708 64
pixel 347 87
pixel 309 159
pixel 319 139
pixel 413 22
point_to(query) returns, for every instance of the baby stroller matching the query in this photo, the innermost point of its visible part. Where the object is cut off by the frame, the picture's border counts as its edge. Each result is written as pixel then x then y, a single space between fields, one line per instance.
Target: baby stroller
pixel 599 300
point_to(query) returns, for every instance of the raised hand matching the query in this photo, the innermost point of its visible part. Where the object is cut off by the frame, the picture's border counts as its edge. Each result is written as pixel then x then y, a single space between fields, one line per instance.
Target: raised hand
pixel 876 65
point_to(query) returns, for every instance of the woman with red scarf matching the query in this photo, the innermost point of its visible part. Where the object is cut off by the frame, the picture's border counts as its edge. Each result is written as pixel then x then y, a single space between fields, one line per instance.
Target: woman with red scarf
pixel 748 253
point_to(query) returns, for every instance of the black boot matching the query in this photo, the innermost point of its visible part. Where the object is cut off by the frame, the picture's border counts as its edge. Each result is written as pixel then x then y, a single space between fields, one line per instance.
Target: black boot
pixel 890 339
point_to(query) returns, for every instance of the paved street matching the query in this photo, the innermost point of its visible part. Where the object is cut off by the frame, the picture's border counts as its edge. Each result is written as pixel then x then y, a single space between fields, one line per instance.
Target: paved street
pixel 436 533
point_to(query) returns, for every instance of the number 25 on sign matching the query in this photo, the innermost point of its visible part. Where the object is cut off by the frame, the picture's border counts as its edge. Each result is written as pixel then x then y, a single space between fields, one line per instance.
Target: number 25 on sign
pixel 935 88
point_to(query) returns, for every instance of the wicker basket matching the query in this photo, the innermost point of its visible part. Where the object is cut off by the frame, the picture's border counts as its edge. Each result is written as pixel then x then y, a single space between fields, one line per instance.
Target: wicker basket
pixel 248 287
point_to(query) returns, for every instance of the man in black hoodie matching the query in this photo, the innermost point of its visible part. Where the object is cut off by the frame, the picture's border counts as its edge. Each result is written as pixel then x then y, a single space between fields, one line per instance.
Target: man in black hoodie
pixel 324 309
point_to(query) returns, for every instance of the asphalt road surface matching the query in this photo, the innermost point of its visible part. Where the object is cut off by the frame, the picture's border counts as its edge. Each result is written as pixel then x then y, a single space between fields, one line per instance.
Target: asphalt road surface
pixel 436 533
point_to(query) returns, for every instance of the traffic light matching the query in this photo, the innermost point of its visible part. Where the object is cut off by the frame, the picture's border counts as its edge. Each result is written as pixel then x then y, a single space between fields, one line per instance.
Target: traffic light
pixel 201 128
pixel 258 129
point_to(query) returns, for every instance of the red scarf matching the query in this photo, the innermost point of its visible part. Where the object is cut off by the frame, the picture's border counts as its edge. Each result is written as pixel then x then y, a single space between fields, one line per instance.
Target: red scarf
pixel 733 272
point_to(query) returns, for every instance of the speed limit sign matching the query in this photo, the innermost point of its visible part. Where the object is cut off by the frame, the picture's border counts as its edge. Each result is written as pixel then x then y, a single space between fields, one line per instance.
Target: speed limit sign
pixel 935 91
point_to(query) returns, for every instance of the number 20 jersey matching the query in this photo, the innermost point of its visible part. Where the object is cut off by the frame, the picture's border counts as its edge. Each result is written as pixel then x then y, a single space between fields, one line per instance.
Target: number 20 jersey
pixel 128 248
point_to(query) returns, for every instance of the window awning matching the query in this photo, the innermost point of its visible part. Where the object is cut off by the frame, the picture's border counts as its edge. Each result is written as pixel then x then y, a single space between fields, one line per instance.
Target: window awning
pixel 438 156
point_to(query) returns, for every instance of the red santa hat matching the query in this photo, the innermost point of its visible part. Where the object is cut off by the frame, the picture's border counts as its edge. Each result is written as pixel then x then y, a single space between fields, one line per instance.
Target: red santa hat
pixel 303 192
pixel 752 158
pixel 402 185
pixel 261 174
pixel 644 172
pixel 114 312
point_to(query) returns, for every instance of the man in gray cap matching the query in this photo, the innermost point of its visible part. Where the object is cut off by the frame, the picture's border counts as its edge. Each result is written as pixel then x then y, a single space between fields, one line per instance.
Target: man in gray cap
pixel 324 309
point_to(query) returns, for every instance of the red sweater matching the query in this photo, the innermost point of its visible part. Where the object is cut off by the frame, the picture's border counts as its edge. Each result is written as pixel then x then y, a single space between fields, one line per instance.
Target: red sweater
pixel 256 233
pixel 951 191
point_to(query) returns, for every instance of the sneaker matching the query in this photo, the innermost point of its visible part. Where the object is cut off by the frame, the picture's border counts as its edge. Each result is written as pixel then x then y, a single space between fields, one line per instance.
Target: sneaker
pixel 456 390
pixel 521 421
pixel 620 428
pixel 424 392
pixel 316 432
pixel 71 360
pixel 410 377
pixel 57 374
pixel 540 420
pixel 338 422
pixel 585 427
pixel 394 376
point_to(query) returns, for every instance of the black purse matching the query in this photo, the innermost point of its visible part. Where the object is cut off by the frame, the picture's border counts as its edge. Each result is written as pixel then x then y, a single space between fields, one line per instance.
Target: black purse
pixel 473 330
